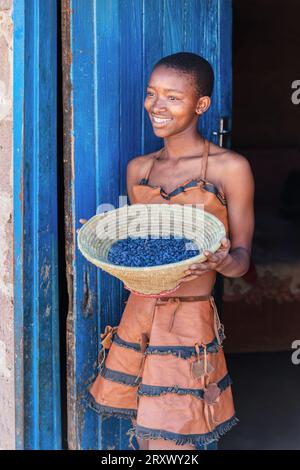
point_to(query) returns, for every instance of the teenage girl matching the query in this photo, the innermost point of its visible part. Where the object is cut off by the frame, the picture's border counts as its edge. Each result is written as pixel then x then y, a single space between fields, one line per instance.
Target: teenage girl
pixel 165 368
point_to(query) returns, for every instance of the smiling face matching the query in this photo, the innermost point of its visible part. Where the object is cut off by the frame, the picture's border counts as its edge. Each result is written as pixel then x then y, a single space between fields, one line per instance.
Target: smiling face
pixel 172 102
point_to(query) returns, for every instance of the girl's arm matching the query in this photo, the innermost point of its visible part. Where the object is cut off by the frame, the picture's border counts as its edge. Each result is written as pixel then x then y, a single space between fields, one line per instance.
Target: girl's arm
pixel 232 259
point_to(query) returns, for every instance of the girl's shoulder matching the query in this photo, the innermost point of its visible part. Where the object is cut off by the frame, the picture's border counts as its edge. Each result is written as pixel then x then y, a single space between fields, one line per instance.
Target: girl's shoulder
pixel 138 165
pixel 227 159
pixel 227 167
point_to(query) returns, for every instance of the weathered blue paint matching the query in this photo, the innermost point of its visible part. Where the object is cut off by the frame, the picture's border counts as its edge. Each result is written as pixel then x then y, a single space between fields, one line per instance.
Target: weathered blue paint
pixel 114 44
pixel 37 369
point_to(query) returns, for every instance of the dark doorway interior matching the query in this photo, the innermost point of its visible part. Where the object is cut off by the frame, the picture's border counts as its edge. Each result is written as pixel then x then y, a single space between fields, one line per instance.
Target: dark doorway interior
pixel 266 44
pixel 261 312
pixel 266 397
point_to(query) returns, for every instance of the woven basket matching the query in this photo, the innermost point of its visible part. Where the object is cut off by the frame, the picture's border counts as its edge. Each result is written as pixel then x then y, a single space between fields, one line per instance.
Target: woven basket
pixel 98 234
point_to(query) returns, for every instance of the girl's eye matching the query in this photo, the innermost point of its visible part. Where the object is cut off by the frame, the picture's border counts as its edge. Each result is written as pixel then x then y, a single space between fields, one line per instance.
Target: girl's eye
pixel 149 93
pixel 172 98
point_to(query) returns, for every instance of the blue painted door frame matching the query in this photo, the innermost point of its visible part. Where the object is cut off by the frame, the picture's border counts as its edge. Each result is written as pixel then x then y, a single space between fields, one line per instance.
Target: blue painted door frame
pixel 109 48
pixel 37 361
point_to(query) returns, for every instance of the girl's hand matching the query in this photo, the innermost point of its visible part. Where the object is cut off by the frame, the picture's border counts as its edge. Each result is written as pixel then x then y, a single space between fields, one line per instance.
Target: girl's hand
pixel 212 263
pixel 82 221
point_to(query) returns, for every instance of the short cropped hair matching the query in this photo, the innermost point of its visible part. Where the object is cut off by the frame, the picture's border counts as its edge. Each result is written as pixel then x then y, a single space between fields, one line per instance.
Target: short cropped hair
pixel 194 65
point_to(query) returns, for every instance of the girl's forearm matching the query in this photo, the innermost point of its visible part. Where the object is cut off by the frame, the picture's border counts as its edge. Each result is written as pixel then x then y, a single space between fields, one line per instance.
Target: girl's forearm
pixel 236 264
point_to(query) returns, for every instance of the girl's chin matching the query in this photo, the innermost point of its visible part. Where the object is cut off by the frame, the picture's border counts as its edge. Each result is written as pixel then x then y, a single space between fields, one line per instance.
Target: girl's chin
pixel 163 132
pixel 160 132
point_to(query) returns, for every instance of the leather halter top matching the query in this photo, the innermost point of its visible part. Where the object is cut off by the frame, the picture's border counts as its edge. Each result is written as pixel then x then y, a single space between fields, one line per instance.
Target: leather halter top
pixel 193 191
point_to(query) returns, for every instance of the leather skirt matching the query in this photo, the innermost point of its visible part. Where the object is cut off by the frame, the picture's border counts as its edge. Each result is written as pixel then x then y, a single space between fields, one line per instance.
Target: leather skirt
pixel 164 366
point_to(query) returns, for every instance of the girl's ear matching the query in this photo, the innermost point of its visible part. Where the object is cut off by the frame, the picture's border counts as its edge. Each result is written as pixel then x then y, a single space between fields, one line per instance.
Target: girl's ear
pixel 203 104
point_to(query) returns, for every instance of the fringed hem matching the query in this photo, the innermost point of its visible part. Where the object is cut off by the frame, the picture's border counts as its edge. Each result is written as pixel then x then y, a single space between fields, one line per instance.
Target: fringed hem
pixel 180 439
pixel 120 377
pixel 157 390
pixel 107 411
pixel 184 352
pixel 126 344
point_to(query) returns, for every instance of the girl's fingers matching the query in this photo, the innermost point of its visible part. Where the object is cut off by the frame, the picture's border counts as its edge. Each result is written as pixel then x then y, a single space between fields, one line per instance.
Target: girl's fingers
pixel 196 266
pixel 200 268
pixel 193 275
pixel 199 272
pixel 82 221
pixel 225 242
pixel 188 278
pixel 213 259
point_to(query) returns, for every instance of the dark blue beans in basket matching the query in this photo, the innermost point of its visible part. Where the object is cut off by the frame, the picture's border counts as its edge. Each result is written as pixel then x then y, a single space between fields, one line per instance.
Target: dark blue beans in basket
pixel 150 246
pixel 151 251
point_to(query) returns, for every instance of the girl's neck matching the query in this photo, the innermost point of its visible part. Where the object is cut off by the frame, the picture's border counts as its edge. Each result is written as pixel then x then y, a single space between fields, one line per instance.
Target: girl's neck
pixel 181 145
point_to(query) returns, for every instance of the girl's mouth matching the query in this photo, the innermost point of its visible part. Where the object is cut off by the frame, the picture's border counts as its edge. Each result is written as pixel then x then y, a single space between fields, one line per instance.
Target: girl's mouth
pixel 158 121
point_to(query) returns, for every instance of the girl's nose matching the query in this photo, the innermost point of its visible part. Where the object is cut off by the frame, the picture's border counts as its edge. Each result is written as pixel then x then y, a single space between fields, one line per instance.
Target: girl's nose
pixel 158 107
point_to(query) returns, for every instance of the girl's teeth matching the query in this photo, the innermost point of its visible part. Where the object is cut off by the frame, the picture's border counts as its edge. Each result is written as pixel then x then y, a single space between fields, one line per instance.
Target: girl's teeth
pixel 156 119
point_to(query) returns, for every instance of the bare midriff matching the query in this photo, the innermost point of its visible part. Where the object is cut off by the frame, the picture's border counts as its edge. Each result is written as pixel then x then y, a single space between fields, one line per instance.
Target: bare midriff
pixel 201 286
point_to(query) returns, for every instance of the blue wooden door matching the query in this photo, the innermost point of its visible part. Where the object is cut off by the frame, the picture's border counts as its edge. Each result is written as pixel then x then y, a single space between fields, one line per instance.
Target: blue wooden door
pixel 36 309
pixel 109 49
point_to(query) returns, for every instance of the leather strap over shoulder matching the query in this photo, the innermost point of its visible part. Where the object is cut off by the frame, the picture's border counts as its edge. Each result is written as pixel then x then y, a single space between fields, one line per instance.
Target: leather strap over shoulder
pixel 204 159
